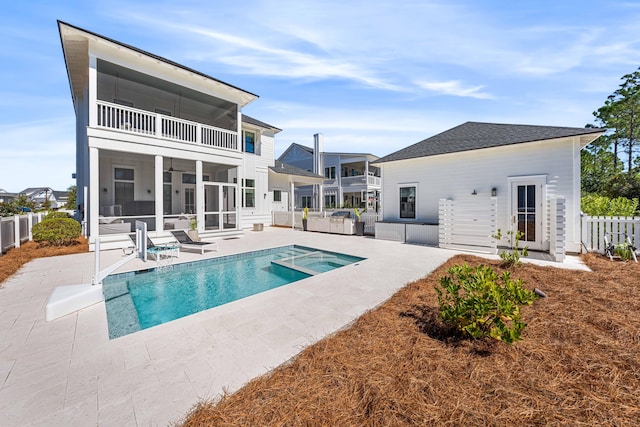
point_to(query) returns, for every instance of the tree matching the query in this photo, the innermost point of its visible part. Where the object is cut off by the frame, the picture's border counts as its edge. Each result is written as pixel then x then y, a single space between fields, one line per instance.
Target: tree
pixel 71 200
pixel 22 201
pixel 620 114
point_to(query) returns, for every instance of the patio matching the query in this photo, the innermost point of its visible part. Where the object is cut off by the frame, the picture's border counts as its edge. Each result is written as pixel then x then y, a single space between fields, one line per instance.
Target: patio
pixel 67 372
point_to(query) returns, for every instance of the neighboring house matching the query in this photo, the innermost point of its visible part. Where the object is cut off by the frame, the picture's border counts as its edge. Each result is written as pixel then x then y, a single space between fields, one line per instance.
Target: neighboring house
pixel 283 181
pixel 6 197
pixel 39 196
pixel 350 179
pixel 521 165
pixel 162 143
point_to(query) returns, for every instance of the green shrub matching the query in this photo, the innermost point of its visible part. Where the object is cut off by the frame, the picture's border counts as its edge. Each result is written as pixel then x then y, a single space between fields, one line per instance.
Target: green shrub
pixel 509 259
pixel 480 303
pixel 57 231
pixel 596 205
pixel 54 215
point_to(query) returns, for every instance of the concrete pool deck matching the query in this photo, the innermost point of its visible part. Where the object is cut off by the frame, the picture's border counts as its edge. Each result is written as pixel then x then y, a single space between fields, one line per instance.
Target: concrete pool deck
pixel 67 372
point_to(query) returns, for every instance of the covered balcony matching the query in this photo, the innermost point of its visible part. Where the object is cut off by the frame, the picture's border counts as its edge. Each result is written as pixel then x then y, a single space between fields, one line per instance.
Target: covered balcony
pixel 136 103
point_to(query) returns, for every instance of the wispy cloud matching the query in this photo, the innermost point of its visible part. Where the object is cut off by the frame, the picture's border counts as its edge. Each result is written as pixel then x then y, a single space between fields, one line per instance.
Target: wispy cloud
pixel 456 88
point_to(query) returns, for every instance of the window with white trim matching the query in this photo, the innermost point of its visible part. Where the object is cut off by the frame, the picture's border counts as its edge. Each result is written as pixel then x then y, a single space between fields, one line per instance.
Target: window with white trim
pixel 124 184
pixel 248 193
pixel 277 195
pixel 408 202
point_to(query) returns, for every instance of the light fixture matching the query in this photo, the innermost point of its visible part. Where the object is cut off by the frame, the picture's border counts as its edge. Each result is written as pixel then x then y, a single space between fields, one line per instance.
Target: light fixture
pixel 265 195
pixel 177 191
pixel 149 190
pixel 494 192
pixel 474 193
pixel 171 167
pixel 104 190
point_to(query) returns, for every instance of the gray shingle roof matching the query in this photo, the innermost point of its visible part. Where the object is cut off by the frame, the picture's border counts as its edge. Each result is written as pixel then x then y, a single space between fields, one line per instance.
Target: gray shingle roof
pixel 287 169
pixel 474 136
pixel 250 120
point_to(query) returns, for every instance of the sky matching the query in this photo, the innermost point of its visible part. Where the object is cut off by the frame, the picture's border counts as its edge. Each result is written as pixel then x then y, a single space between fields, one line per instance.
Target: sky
pixel 371 76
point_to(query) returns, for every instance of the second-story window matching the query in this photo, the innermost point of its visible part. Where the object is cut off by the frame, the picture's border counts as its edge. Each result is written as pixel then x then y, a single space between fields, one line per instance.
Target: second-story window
pixel 249 142
pixel 330 172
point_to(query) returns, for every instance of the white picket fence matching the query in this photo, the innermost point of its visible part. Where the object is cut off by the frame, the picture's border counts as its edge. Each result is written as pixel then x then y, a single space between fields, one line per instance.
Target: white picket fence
pixel 595 228
pixel 468 224
pixel 15 230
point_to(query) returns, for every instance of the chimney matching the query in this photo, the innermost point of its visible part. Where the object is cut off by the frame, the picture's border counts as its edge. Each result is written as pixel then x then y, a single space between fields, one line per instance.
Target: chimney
pixel 318 148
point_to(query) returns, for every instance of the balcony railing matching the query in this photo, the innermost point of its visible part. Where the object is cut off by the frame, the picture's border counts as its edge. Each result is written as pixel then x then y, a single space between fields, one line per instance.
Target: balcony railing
pixel 360 180
pixel 127 119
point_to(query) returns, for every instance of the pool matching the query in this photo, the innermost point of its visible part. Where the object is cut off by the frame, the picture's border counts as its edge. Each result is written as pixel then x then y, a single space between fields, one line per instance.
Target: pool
pixel 140 300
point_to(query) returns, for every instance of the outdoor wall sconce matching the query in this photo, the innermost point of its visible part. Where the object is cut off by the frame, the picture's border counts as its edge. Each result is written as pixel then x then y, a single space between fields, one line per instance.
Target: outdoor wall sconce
pixel 149 190
pixel 474 193
pixel 104 190
pixel 265 195
pixel 494 192
pixel 177 191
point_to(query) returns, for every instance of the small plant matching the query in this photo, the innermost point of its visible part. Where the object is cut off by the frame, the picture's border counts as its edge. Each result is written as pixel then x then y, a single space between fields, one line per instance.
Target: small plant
pixel 305 213
pixel 355 210
pixel 480 303
pixel 193 222
pixel 624 251
pixel 57 231
pixel 510 259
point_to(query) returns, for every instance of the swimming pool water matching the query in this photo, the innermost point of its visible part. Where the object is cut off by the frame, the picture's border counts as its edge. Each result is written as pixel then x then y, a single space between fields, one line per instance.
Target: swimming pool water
pixel 140 300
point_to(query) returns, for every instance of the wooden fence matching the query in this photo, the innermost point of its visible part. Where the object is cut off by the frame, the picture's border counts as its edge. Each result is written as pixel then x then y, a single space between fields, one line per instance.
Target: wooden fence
pixel 16 229
pixel 468 224
pixel 595 228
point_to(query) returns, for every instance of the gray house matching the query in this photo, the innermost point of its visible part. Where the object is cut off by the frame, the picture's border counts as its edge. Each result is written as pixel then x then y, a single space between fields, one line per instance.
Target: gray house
pixel 350 178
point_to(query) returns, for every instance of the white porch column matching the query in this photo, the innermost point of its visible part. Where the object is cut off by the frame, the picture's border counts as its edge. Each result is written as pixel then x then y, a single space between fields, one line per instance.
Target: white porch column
pixel 93 91
pixel 199 196
pixel 92 210
pixel 240 174
pixel 159 193
pixel 321 197
pixel 292 203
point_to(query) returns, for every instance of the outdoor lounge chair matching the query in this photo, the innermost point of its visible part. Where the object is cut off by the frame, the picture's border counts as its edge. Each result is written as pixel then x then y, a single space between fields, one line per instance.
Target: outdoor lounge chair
pixel 153 251
pixel 187 243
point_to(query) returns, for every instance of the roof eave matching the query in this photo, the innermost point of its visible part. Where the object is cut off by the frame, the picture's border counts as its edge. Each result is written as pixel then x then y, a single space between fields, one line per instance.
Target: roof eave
pixel 245 96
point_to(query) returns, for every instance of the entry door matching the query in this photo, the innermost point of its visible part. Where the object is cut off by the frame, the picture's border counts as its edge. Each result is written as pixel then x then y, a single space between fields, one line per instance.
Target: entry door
pixel 527 212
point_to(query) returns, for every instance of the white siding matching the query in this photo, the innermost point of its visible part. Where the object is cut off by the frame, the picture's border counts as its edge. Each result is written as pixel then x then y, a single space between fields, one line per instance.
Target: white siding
pixel 455 176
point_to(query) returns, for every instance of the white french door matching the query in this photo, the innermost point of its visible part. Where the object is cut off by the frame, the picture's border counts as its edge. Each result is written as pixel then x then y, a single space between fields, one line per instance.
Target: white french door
pixel 527 210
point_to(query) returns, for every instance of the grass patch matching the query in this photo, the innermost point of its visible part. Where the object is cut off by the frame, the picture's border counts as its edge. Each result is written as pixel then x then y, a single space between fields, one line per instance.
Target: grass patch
pixel 15 258
pixel 578 362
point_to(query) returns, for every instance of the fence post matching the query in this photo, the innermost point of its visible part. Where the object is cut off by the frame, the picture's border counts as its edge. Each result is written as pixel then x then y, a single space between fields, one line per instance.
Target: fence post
pixel 16 231
pixel 557 235
pixel 29 225
pixel 1 241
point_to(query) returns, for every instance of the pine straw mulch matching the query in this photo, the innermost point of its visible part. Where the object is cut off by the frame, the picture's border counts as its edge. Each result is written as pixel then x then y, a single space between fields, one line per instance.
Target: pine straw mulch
pixel 15 258
pixel 578 364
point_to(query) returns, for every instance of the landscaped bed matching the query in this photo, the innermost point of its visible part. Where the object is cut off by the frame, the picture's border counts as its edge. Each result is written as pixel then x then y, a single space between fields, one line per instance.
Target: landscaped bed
pixel 578 362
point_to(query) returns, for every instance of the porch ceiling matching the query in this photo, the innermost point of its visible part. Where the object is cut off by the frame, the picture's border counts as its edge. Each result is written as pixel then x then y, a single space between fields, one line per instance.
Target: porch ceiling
pixel 75 45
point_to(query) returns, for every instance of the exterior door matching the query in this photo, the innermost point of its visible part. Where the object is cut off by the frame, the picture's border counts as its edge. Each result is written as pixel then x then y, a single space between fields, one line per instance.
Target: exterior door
pixel 527 212
pixel 189 205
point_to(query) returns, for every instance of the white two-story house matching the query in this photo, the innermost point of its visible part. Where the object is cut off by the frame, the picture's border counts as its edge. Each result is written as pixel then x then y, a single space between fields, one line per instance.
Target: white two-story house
pixel 350 179
pixel 162 143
